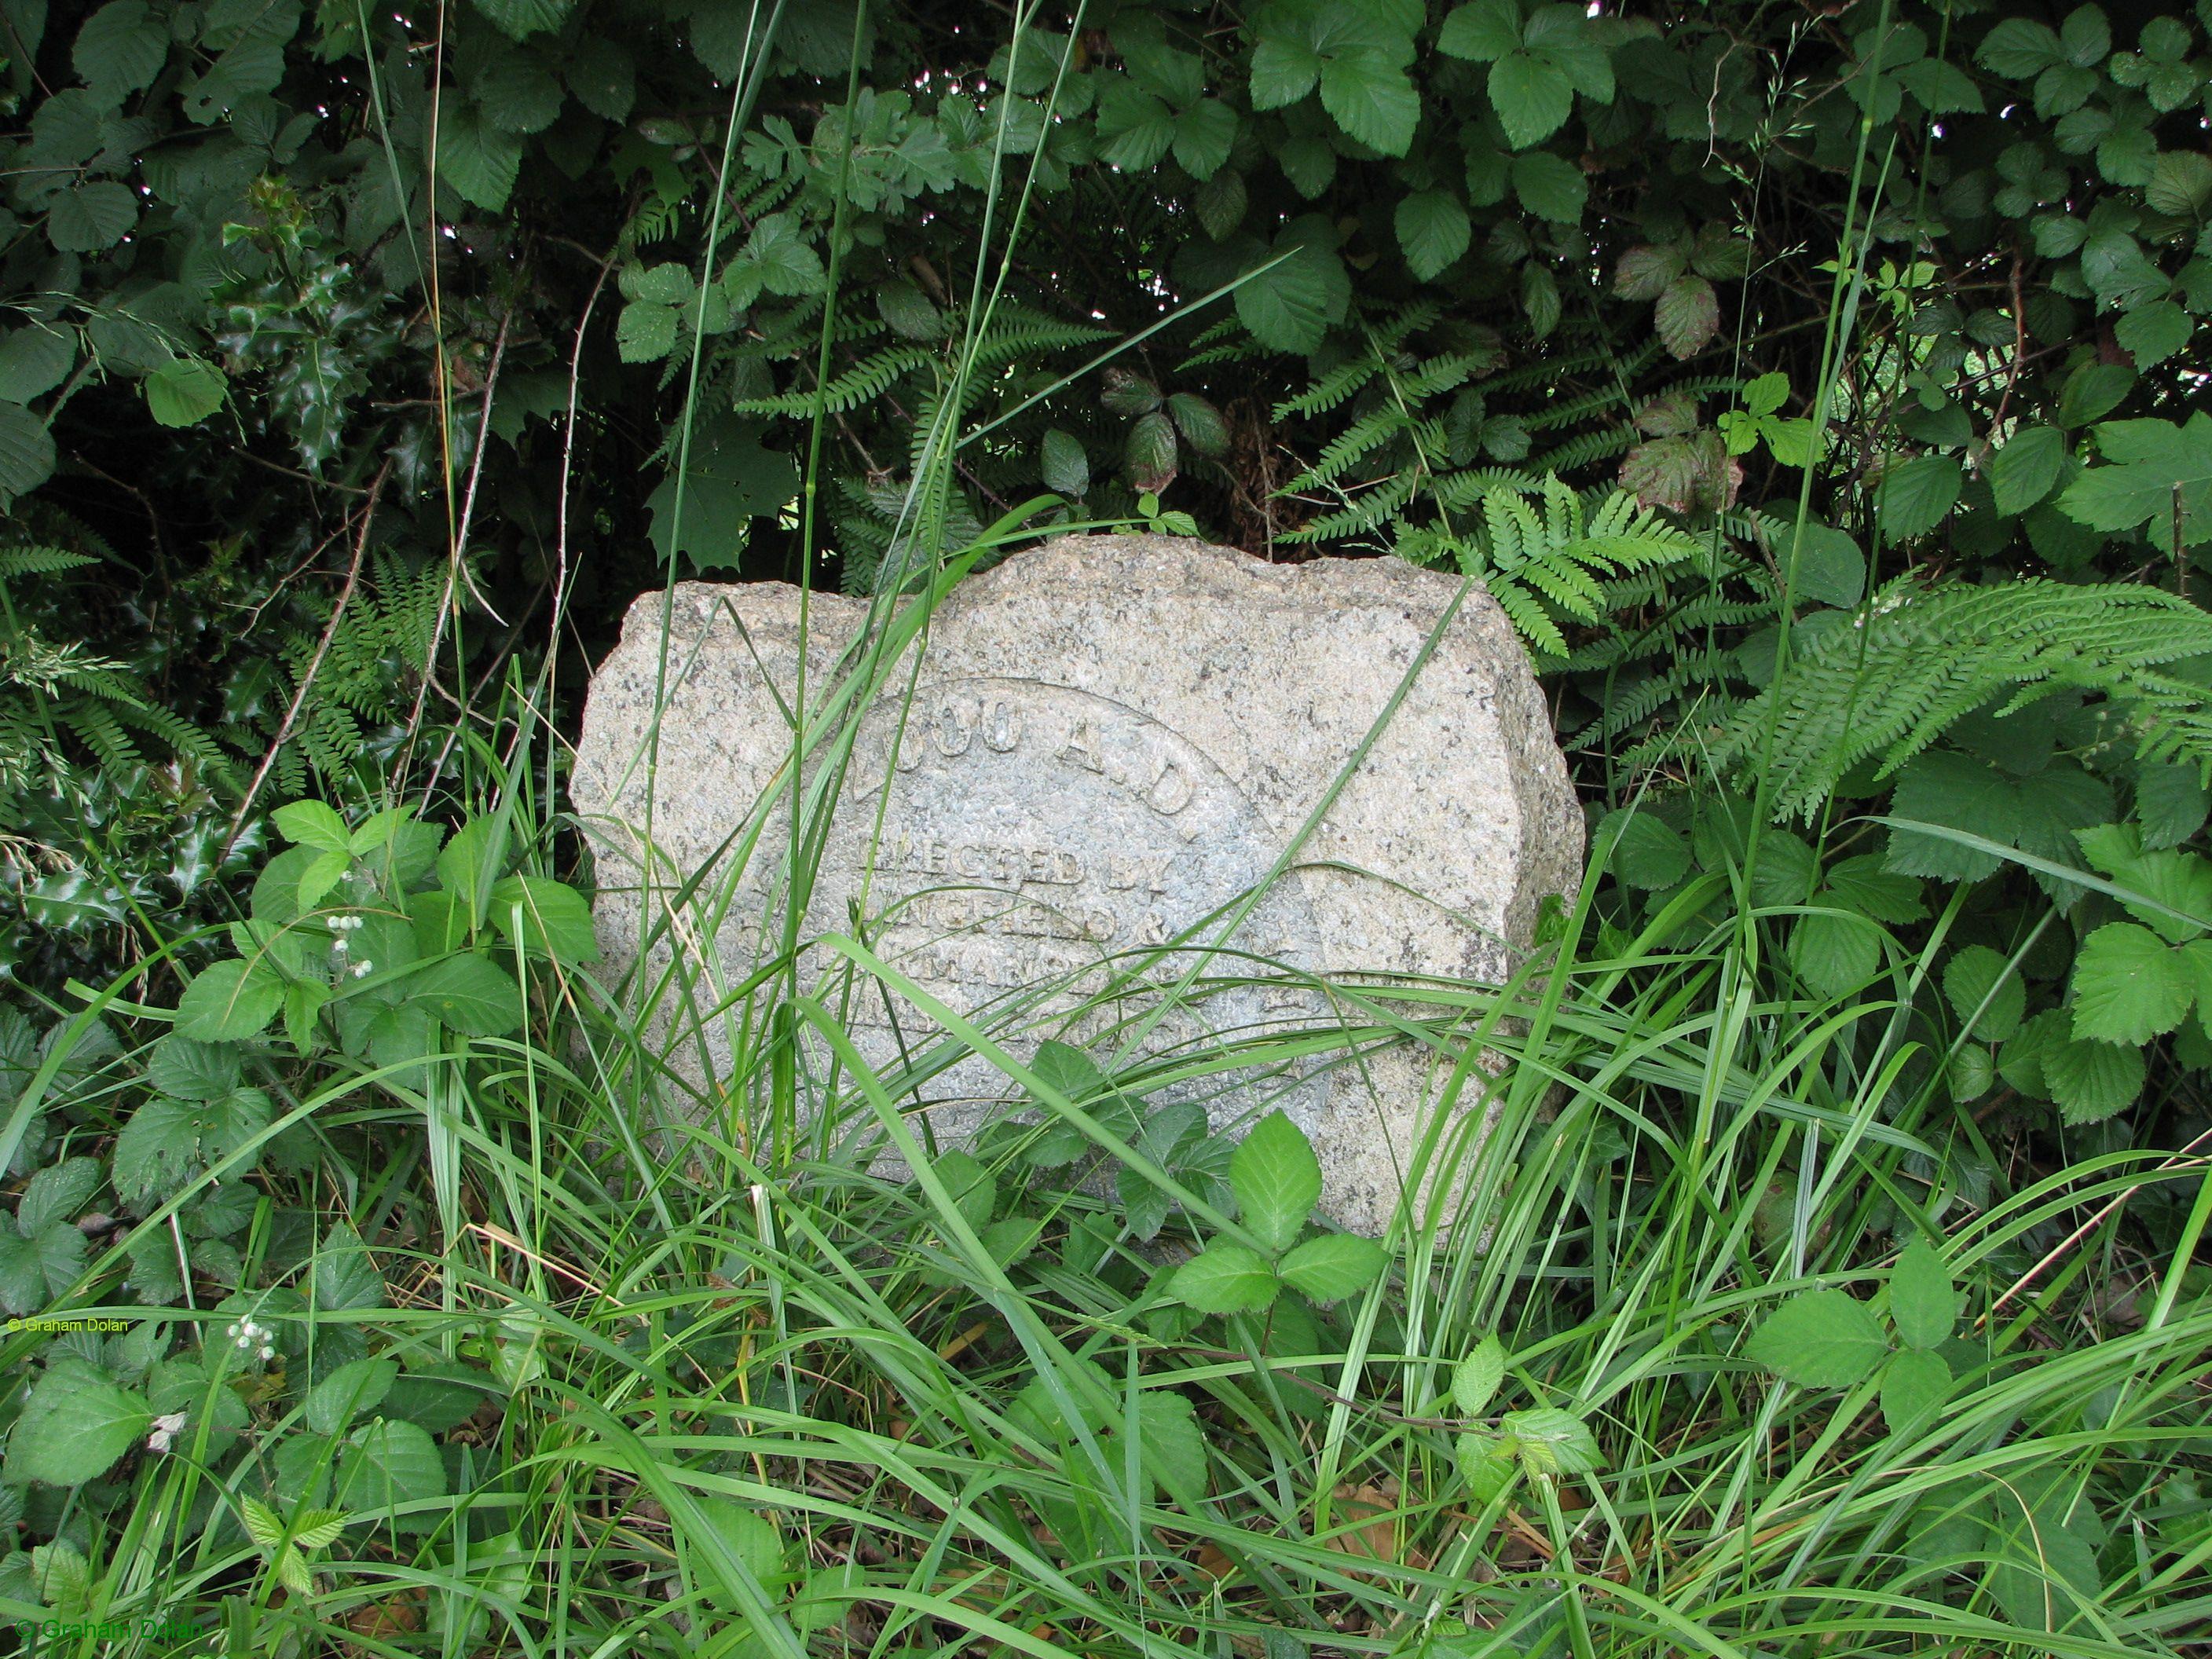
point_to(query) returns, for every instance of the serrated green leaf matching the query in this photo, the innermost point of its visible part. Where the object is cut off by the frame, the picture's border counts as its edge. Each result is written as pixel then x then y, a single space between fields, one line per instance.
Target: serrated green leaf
pixel 1532 96
pixel 1924 1302
pixel 345 1275
pixel 645 330
pixel 1820 1340
pixel 262 1525
pixel 1372 100
pixel 1485 30
pixel 75 1425
pixel 354 1390
pixel 521 19
pixel 2158 478
pixel 56 1195
pixel 121 47
pixel 2152 334
pixel 1476 1378
pixel 1549 186
pixel 1687 316
pixel 1225 1278
pixel 1276 1180
pixel 1289 305
pixel 1172 1444
pixel 2129 986
pixel 972 1187
pixel 2092 1081
pixel 2026 470
pixel 1549 1441
pixel 229 1000
pixel 1062 463
pixel 1333 1266
pixel 1914 497
pixel 1914 1386
pixel 33 361
pixel 314 824
pixel 26 452
pixel 468 994
pixel 92 216
pixel 1433 230
pixel 1834 952
pixel 387 1466
pixel 478 160
pixel 1205 134
pixel 545 918
pixel 2018 48
pixel 1986 993
pixel 1645 851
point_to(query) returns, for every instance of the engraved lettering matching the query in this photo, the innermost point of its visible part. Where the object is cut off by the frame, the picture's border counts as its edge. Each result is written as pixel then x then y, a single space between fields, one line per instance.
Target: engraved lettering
pixel 954 733
pixel 969 860
pixel 1081 748
pixel 1171 789
pixel 1067 869
pixel 1002 728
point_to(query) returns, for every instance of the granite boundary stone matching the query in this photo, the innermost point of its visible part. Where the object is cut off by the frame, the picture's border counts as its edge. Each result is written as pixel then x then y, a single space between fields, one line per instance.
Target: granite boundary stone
pixel 1111 739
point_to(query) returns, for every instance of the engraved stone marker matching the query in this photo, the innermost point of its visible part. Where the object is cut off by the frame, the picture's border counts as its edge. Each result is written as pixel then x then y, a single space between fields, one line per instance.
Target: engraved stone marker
pixel 1109 743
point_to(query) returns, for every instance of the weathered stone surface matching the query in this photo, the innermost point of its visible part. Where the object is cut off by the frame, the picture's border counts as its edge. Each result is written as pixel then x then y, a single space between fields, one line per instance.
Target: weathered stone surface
pixel 1110 740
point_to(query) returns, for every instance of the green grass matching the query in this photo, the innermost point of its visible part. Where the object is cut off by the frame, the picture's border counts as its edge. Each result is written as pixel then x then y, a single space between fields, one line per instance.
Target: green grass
pixel 753 1398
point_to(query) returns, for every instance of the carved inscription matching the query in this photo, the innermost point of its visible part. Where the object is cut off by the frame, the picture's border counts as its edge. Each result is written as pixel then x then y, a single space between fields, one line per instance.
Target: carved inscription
pixel 1034 834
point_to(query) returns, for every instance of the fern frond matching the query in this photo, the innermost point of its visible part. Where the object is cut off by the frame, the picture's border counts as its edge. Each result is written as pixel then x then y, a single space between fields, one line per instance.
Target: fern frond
pixel 865 380
pixel 40 561
pixel 1917 661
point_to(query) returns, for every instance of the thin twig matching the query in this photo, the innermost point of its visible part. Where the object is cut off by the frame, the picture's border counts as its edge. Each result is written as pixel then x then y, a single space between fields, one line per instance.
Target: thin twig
pixel 314 665
pixel 2180 1160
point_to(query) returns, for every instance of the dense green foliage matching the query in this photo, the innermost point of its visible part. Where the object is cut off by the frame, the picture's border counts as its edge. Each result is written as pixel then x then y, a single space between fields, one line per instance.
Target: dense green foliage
pixel 1816 390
